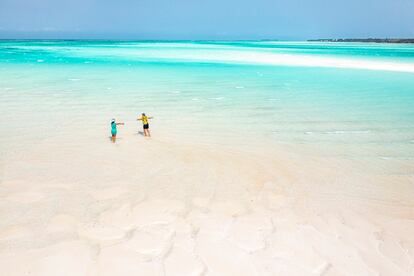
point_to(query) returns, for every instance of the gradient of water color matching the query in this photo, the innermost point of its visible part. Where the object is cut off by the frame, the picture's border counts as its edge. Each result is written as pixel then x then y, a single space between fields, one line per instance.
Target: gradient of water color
pixel 346 99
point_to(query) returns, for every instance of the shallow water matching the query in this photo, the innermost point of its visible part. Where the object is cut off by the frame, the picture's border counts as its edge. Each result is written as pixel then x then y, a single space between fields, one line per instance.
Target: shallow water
pixel 342 99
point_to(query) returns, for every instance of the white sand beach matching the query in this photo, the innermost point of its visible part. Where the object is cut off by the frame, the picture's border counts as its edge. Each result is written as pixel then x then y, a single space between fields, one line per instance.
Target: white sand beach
pixel 162 206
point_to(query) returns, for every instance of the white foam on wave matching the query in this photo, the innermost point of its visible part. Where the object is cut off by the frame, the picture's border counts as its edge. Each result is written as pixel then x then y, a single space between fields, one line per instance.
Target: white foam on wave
pixel 338 132
pixel 234 55
pixel 73 79
pixel 239 55
pixel 385 157
pixel 347 131
pixel 40 60
pixel 308 61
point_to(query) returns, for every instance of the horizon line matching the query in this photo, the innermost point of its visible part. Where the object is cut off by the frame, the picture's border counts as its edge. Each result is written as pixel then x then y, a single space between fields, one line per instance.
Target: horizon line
pixel 196 40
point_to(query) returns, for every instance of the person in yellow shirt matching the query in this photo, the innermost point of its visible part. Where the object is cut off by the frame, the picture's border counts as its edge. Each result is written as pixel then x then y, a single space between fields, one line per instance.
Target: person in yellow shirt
pixel 144 118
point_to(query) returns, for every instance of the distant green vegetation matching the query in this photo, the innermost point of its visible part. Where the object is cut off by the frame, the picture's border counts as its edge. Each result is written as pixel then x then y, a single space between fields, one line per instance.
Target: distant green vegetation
pixel 374 40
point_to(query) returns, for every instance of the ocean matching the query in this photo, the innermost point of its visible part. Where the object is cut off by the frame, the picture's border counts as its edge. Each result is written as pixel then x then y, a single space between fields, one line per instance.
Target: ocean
pixel 347 100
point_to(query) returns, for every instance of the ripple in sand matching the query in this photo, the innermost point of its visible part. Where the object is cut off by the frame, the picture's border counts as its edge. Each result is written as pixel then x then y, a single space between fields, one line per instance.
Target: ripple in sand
pixel 15 232
pixel 105 235
pixel 108 193
pixel 152 241
pixel 63 259
pixel 157 211
pixel 223 258
pixel 62 223
pixel 231 208
pixel 25 197
pixel 119 217
pixel 119 260
pixel 179 256
pixel 249 232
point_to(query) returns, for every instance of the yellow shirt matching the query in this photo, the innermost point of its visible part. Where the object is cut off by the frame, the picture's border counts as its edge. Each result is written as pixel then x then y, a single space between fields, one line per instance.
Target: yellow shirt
pixel 144 120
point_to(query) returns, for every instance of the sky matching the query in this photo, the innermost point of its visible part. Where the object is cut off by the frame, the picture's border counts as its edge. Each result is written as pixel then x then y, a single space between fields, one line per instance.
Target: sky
pixel 207 19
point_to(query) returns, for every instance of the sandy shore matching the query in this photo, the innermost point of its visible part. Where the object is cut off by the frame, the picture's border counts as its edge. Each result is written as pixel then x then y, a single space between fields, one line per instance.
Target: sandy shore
pixel 162 207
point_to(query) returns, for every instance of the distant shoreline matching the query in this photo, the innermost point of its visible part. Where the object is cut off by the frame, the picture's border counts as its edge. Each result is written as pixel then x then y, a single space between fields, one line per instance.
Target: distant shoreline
pixel 366 40
pixel 371 40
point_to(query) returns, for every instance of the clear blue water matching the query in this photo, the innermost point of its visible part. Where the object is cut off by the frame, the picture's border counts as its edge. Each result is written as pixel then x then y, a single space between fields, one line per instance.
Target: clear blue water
pixel 297 93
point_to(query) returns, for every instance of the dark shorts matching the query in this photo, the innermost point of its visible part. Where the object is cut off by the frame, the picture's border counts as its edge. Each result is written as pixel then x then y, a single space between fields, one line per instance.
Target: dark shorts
pixel 146 126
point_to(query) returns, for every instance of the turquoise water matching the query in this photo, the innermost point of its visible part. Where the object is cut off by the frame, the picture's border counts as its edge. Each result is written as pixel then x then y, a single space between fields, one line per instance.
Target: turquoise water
pixel 343 99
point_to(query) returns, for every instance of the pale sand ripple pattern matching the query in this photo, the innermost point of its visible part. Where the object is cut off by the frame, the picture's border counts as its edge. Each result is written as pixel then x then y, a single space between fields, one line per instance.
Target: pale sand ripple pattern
pixel 157 207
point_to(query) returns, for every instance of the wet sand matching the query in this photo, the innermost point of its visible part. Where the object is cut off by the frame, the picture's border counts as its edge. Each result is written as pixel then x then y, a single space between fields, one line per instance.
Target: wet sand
pixel 174 207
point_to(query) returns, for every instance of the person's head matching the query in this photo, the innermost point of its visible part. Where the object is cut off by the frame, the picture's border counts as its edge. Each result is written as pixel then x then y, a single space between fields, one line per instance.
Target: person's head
pixel 113 121
pixel 143 114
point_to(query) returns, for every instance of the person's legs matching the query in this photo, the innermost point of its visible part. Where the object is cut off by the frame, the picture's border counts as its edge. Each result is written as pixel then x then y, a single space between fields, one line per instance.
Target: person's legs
pixel 113 138
pixel 146 130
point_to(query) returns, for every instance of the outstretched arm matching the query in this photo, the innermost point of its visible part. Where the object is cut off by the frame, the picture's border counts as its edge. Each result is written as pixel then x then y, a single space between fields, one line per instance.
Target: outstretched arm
pixel 120 124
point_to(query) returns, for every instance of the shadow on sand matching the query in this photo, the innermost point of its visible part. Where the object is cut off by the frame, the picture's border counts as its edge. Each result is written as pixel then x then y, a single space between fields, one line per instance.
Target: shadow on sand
pixel 117 138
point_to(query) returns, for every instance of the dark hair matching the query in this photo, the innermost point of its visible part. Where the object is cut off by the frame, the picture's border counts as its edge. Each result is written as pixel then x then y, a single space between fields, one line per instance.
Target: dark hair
pixel 143 114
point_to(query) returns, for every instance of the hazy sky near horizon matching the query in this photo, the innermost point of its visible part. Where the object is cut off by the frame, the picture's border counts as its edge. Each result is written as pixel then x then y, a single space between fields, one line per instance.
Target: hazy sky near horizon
pixel 209 19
